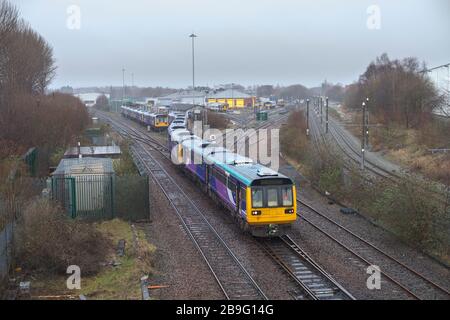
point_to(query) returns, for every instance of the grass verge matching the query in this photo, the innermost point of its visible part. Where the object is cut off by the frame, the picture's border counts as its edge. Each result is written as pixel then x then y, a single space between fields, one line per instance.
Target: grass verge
pixel 401 208
pixel 118 278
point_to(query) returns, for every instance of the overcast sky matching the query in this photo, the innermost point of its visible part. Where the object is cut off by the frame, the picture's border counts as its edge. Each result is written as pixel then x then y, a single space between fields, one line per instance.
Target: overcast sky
pixel 242 41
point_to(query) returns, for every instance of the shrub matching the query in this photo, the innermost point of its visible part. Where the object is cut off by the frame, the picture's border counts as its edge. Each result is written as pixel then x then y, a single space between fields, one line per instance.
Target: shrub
pixel 125 165
pixel 49 242
pixel 217 120
pixel 293 139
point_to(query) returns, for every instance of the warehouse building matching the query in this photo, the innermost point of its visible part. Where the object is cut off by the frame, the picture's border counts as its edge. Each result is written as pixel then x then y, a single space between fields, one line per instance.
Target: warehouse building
pixel 233 98
pixel 184 97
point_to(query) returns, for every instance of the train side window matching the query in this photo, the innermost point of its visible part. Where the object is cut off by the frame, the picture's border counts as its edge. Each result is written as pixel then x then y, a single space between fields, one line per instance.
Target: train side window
pixel 272 197
pixel 221 177
pixel 231 185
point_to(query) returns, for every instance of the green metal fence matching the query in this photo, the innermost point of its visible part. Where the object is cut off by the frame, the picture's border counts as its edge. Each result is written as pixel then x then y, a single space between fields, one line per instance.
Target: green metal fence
pixel 101 197
pixel 85 196
pixel 30 159
pixel 131 195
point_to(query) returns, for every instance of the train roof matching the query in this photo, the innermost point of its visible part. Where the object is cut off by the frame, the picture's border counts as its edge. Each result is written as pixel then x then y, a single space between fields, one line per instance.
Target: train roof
pixel 143 112
pixel 253 173
pixel 180 134
pixel 241 167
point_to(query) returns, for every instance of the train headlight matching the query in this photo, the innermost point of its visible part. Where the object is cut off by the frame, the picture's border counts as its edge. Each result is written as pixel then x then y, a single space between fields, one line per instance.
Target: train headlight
pixel 289 211
pixel 256 213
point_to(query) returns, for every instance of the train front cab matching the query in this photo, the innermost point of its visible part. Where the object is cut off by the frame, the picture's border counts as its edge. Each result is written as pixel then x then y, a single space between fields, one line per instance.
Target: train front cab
pixel 271 206
pixel 161 121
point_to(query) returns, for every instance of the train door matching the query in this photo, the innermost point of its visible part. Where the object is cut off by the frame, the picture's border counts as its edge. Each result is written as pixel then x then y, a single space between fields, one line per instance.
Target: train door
pixel 233 194
pixel 238 198
pixel 207 173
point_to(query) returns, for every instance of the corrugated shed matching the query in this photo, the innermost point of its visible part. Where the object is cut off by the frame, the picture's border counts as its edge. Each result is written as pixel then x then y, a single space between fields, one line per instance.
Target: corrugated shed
pixel 235 94
pixel 86 166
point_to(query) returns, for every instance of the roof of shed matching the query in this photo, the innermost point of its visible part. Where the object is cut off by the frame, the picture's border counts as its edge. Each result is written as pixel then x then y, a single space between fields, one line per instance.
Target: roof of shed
pixel 235 94
pixel 84 166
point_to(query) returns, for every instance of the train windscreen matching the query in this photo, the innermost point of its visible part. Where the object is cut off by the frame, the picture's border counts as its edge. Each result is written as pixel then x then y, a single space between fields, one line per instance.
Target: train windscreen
pixel 272 196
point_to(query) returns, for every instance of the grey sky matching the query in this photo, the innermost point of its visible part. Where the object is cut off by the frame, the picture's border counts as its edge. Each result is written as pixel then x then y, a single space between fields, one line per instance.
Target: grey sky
pixel 241 41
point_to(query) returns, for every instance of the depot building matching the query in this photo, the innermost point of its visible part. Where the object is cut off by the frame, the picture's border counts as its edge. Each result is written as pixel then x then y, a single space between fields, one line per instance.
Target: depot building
pixel 233 98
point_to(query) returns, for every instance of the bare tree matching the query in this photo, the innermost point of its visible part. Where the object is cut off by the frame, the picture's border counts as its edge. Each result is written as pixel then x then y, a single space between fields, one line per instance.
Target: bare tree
pixel 398 90
pixel 30 61
pixel 9 18
pixel 102 102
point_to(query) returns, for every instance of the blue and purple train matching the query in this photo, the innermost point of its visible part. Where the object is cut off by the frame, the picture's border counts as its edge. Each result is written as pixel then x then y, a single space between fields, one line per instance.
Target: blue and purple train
pixel 262 201
pixel 156 121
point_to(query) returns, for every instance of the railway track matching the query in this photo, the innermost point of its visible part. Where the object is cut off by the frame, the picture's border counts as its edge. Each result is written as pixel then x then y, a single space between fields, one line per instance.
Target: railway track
pixel 413 283
pixel 234 280
pixel 354 154
pixel 288 255
pixel 313 281
pixel 309 279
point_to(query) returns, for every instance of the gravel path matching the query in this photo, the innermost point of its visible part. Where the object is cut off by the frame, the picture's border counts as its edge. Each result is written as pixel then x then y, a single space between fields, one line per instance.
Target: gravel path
pixel 177 261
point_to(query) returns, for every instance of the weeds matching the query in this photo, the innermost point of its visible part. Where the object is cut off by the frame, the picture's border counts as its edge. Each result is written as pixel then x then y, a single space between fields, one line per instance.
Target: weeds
pixel 401 207
pixel 49 242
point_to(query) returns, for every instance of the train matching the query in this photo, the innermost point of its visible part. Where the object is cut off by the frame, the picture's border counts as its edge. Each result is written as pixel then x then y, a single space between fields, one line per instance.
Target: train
pixel 260 200
pixel 177 115
pixel 217 106
pixel 156 121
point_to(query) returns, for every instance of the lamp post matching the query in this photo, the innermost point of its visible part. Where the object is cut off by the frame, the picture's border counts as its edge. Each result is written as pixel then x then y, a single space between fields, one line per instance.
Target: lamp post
pixel 326 115
pixel 363 135
pixel 307 117
pixel 367 123
pixel 321 109
pixel 193 36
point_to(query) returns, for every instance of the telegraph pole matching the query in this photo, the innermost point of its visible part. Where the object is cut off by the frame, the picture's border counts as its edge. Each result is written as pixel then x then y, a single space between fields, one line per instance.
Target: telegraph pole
pixel 321 111
pixel 326 113
pixel 123 85
pixel 193 36
pixel 307 117
pixel 317 105
pixel 363 135
pixel 367 123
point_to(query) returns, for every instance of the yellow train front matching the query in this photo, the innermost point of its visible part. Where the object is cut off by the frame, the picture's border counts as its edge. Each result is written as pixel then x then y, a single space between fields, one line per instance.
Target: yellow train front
pixel 271 209
pixel 157 121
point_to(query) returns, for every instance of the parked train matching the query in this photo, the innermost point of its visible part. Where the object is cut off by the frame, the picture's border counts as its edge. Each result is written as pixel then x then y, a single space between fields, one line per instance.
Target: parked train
pixel 261 201
pixel 217 106
pixel 177 115
pixel 156 121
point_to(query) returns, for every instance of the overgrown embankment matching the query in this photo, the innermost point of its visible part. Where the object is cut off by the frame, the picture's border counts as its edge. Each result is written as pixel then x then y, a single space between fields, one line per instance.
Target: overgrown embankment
pixel 105 273
pixel 401 99
pixel 403 208
pixel 424 150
